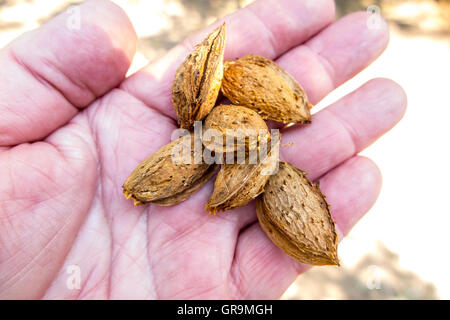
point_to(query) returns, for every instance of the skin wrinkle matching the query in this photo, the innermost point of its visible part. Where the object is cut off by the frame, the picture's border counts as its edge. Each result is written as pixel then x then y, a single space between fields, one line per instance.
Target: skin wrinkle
pixel 99 191
pixel 189 45
pixel 167 244
pixel 298 267
pixel 33 205
pixel 324 168
pixel 235 273
pixel 52 239
pixel 8 109
pixel 8 217
pixel 62 158
pixel 84 292
pixel 11 181
pixel 116 247
pixel 18 131
pixel 234 268
pixel 190 42
pixel 242 286
pixel 156 227
pixel 95 286
pixel 156 133
pixel 190 228
pixel 197 295
pixel 179 235
pixel 174 275
pixel 150 255
pixel 236 279
pixel 120 249
pixel 34 202
pixel 3 217
pixel 147 251
pixel 99 187
pixel 48 197
pixel 53 62
pixel 38 170
pixel 106 273
pixel 236 265
pixel 349 130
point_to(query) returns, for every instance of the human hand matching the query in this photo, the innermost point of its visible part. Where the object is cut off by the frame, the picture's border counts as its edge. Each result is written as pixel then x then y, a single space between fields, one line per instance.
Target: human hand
pixel 73 128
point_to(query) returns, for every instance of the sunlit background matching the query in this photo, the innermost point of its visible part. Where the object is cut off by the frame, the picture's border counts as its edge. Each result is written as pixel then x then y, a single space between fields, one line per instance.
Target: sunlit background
pixel 400 250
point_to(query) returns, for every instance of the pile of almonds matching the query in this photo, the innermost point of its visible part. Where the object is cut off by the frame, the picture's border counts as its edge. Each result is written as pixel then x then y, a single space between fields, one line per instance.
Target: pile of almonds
pixel 291 209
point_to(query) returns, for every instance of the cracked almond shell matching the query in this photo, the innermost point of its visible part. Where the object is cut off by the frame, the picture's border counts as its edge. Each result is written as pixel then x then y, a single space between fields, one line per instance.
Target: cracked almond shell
pixel 161 180
pixel 294 214
pixel 197 81
pixel 238 184
pixel 242 126
pixel 260 84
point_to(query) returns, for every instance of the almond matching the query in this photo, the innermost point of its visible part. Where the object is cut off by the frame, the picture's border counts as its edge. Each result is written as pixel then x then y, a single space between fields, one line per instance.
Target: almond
pixel 238 184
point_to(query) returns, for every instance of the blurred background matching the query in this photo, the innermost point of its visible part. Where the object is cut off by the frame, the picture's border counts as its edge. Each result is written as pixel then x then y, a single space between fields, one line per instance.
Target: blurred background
pixel 400 250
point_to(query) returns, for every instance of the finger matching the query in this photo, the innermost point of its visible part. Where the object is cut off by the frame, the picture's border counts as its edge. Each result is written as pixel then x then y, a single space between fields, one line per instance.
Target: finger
pixel 345 128
pixel 45 193
pixel 49 73
pixel 336 54
pixel 270 28
pixel 262 271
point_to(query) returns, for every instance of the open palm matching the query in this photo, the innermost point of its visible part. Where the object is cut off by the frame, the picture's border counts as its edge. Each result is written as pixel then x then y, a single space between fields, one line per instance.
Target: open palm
pixel 72 128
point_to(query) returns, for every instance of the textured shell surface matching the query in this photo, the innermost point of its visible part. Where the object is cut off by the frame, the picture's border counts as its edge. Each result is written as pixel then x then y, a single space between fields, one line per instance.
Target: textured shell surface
pixel 165 179
pixel 260 84
pixel 296 217
pixel 237 127
pixel 238 184
pixel 197 81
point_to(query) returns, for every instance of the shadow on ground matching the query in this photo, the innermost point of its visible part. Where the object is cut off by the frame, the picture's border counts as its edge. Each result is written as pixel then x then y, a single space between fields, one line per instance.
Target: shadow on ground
pixel 413 17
